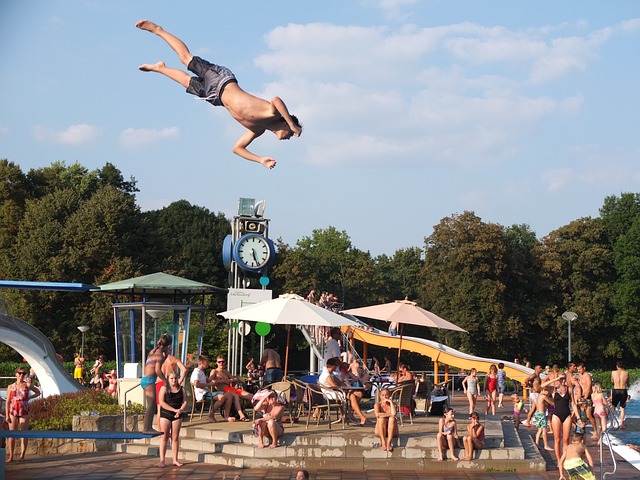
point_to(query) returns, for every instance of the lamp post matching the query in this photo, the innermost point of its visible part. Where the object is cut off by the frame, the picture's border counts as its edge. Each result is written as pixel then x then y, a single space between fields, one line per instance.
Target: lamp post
pixel 569 317
pixel 83 329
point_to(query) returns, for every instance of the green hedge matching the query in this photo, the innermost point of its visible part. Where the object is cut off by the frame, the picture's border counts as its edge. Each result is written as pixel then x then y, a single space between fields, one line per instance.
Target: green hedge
pixel 56 412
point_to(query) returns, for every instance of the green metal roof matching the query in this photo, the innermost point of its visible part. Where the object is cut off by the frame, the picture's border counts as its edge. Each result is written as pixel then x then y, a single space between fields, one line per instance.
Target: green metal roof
pixel 160 283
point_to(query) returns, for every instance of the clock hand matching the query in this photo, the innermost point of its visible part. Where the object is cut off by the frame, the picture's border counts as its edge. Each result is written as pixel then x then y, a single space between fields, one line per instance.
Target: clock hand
pixel 255 257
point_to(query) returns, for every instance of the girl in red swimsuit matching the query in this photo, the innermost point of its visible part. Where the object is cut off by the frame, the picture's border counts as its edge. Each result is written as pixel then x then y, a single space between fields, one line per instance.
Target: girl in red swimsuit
pixel 491 389
pixel 17 409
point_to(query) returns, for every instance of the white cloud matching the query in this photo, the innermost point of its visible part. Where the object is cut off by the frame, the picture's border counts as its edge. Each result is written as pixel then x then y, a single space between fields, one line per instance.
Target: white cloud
pixel 630 26
pixel 375 93
pixel 557 178
pixel 4 131
pixel 139 137
pixel 81 134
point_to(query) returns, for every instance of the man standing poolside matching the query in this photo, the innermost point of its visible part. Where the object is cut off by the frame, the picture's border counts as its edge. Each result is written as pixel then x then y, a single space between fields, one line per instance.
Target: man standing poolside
pixel 619 395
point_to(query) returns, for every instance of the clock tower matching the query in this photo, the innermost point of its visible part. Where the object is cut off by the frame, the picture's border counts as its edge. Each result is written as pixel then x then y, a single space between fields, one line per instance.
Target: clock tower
pixel 248 250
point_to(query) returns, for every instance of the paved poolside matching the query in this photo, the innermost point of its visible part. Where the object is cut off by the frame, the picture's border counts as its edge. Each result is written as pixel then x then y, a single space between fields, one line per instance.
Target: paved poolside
pixel 112 466
pixel 119 466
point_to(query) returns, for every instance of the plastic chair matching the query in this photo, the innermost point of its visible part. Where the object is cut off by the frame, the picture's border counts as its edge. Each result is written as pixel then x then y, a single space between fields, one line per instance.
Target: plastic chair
pixel 402 396
pixel 283 389
pixel 321 404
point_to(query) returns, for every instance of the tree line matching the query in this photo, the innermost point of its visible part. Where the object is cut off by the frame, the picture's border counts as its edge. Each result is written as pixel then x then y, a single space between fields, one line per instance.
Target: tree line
pixel 503 285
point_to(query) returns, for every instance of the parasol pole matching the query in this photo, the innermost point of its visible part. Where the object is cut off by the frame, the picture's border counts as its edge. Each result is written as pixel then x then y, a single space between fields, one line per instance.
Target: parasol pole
pixel 400 325
pixel 286 356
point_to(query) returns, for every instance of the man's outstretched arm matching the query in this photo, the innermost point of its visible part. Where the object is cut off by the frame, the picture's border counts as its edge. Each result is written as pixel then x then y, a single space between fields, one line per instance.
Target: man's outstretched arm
pixel 240 148
pixel 281 108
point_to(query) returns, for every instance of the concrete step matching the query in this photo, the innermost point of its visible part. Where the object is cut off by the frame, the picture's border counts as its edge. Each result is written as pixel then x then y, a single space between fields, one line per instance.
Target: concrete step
pixel 349 449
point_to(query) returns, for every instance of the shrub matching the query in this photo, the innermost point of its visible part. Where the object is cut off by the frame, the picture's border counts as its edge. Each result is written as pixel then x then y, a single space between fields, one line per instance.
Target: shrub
pixel 56 412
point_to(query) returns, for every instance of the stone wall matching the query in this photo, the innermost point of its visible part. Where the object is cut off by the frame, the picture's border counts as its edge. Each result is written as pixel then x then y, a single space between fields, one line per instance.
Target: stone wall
pixel 90 423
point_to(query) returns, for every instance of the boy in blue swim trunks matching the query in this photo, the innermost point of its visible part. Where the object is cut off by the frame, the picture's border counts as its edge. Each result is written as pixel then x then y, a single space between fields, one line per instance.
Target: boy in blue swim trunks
pixel 218 86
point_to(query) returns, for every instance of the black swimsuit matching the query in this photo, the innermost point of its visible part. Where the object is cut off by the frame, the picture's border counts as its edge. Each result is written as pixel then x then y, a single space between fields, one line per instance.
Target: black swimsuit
pixel 562 402
pixel 174 400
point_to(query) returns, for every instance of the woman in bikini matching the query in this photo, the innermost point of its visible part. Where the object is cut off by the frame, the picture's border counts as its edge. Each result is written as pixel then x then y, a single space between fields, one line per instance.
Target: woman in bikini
pixel 470 386
pixel 17 409
pixel 153 370
pixel 491 389
pixel 386 420
pixel 562 418
pixel 447 436
pixel 270 424
pixel 173 401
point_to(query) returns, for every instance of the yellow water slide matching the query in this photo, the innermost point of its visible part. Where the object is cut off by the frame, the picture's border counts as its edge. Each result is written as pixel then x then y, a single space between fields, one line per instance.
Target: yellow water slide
pixel 439 353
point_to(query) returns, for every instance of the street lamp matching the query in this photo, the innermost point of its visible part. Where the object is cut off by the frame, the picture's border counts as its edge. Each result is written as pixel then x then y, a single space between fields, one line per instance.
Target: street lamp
pixel 569 317
pixel 83 329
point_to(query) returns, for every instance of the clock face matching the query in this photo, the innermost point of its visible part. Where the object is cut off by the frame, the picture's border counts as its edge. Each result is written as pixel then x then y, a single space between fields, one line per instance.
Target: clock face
pixel 253 252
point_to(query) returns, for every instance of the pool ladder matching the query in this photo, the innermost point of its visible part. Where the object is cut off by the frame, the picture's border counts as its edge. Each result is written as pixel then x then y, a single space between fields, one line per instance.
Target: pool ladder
pixel 614 425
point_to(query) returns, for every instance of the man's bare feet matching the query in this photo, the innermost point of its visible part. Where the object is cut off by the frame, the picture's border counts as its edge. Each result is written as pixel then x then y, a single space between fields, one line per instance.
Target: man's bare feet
pixel 147 67
pixel 383 448
pixel 455 458
pixel 548 448
pixel 176 463
pixel 273 445
pixel 161 465
pixel 147 25
pixel 231 419
pixel 440 459
pixel 467 458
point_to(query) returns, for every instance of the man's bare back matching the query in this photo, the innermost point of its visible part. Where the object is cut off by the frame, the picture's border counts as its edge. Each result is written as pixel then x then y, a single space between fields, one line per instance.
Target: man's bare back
pixel 620 379
pixel 255 114
pixel 270 359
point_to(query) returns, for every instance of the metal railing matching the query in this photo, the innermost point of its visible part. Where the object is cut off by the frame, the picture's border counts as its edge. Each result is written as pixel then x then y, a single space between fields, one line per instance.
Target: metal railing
pixel 611 416
pixel 124 407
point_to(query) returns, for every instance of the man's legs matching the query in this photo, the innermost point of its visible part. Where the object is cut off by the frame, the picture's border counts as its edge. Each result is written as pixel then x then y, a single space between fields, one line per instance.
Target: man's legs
pixel 174 42
pixel 183 78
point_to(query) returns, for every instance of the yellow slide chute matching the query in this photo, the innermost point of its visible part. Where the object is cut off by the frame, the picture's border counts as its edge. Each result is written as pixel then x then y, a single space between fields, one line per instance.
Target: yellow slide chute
pixel 439 353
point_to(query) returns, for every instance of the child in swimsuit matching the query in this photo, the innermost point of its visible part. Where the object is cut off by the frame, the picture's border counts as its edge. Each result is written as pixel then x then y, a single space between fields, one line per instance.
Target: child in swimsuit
pixel 470 386
pixel 598 400
pixel 582 419
pixel 518 408
pixel 576 460
pixel 447 436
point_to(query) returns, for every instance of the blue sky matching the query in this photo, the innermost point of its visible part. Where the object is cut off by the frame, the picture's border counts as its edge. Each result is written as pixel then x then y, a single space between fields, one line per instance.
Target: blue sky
pixel 523 112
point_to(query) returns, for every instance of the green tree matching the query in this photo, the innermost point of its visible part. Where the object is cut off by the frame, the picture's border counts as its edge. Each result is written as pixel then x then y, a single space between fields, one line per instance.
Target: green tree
pixel 399 275
pixel 188 241
pixel 578 263
pixel 13 194
pixel 524 296
pixel 462 281
pixel 619 213
pixel 625 343
pixel 326 261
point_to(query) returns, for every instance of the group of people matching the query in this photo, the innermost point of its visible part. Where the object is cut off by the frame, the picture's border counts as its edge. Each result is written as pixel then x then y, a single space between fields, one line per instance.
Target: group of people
pixel 562 403
pixel 325 300
pixel 495 384
pixel 448 438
